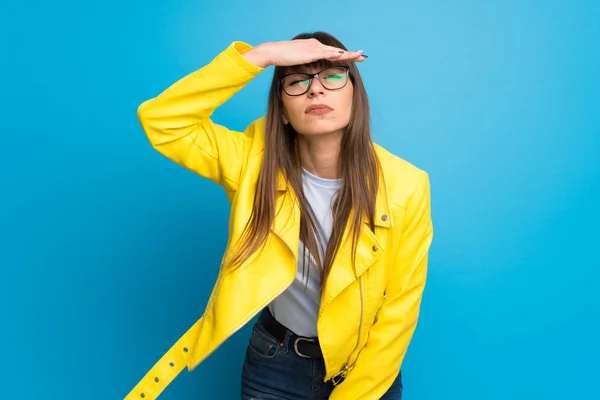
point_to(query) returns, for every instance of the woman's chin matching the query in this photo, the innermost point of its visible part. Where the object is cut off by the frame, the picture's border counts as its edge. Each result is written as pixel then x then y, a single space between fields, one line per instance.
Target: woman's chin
pixel 320 129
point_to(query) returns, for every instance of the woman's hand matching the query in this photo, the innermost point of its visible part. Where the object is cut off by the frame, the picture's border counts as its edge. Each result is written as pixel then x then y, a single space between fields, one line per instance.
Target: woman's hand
pixel 297 52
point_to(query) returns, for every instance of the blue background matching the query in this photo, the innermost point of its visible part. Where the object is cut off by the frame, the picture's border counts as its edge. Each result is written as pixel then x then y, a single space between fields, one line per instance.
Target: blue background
pixel 109 251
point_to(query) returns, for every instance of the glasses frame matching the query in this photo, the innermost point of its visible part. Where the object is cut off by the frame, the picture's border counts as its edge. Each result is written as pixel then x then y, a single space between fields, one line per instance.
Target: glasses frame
pixel 313 76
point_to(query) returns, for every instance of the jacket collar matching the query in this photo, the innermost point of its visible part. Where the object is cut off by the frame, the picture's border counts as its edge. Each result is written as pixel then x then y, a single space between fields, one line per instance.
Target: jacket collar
pixel 383 218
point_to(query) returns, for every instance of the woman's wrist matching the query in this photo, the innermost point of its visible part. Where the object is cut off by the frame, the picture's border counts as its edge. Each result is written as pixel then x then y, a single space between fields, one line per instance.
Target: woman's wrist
pixel 259 55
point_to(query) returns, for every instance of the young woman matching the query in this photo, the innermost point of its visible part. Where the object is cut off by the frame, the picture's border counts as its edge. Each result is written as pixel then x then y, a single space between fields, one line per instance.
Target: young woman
pixel 329 233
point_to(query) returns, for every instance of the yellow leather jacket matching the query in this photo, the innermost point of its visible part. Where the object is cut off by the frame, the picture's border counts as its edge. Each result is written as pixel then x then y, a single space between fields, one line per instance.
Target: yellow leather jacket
pixel 368 313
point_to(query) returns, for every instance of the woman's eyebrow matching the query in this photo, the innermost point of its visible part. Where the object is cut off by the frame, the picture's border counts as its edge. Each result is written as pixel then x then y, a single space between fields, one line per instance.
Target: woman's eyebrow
pixel 298 70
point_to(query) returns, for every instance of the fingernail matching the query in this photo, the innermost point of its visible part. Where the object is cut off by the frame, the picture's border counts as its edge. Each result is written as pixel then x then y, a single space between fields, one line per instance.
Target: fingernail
pixel 342 52
pixel 365 56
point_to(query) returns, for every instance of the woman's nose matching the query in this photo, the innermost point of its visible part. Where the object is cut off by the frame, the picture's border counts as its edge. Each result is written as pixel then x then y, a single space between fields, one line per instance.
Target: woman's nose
pixel 315 87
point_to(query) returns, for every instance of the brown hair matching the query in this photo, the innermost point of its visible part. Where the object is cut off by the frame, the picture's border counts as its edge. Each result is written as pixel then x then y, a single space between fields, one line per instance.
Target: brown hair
pixel 358 168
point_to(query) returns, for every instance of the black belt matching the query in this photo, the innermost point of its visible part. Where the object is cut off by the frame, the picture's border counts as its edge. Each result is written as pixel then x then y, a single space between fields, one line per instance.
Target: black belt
pixel 303 346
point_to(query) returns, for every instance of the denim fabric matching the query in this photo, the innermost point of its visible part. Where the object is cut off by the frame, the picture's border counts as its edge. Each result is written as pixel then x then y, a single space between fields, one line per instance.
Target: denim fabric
pixel 273 371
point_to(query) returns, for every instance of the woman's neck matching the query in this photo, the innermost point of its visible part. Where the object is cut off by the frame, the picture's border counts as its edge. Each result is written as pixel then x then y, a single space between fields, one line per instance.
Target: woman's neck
pixel 319 154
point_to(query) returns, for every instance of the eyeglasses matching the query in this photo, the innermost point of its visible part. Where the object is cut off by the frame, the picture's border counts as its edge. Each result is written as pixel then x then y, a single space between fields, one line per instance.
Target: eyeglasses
pixel 332 78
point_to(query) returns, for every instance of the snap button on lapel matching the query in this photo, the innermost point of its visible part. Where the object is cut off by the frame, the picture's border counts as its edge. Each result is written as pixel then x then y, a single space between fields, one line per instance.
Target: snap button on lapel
pixel 384 217
pixel 375 247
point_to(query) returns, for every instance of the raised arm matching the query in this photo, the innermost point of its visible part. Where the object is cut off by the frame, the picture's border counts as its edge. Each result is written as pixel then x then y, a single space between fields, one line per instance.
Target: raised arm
pixel 178 121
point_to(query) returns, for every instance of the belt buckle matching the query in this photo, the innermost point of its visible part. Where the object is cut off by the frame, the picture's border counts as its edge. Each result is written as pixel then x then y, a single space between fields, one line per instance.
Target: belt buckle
pixel 298 339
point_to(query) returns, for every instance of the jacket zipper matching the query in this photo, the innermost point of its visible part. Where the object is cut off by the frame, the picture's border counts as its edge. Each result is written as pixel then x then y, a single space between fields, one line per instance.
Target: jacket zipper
pixel 341 375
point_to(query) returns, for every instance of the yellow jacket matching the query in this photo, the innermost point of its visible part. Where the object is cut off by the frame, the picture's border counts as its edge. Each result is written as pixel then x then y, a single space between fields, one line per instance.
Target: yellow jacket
pixel 368 313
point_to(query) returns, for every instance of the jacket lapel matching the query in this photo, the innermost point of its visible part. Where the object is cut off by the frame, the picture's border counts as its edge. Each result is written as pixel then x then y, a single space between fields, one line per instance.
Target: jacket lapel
pixel 286 224
pixel 368 249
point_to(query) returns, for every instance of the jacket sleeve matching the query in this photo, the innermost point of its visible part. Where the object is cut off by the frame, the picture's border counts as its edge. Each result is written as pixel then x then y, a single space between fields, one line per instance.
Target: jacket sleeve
pixel 178 125
pixel 378 364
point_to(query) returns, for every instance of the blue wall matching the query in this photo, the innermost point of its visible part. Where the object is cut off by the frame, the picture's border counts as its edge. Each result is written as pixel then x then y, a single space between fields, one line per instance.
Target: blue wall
pixel 109 251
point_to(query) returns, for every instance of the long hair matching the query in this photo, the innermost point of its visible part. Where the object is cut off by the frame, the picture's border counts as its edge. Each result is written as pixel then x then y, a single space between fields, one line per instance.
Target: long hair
pixel 358 170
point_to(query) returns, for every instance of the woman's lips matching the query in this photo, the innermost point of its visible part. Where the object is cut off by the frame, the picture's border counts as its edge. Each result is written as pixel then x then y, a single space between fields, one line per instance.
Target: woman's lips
pixel 318 109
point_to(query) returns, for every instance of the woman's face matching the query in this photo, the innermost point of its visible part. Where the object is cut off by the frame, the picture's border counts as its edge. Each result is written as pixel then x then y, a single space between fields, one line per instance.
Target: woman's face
pixel 319 110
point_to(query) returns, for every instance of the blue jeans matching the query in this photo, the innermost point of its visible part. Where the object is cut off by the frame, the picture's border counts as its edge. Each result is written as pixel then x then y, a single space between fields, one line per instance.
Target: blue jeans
pixel 273 371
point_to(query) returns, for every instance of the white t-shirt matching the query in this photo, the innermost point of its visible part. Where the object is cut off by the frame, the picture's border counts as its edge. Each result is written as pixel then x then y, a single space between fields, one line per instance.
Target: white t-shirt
pixel 298 306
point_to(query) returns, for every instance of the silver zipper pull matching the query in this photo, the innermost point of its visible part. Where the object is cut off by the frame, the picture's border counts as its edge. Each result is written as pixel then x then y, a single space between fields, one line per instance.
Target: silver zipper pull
pixel 384 293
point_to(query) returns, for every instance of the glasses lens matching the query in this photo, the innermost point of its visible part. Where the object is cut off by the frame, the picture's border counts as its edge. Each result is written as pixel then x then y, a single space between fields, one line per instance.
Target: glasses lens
pixel 334 78
pixel 296 83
